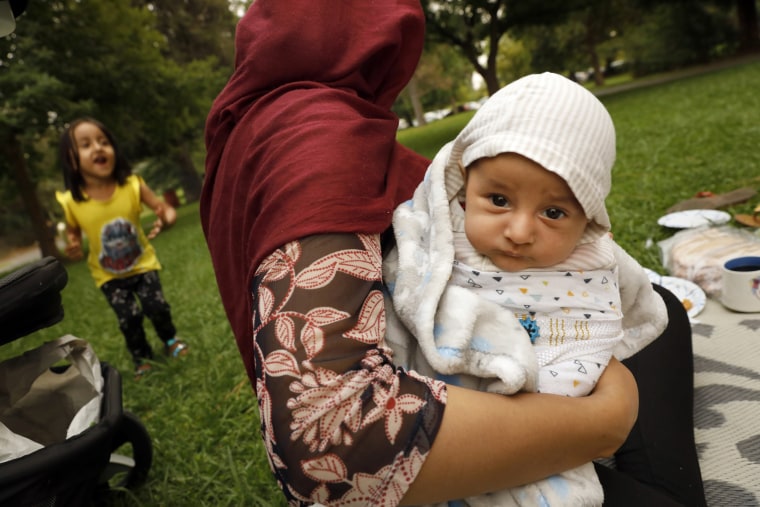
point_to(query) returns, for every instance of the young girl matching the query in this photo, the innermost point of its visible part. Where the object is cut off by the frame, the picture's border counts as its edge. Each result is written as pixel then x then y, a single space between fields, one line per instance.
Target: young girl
pixel 103 200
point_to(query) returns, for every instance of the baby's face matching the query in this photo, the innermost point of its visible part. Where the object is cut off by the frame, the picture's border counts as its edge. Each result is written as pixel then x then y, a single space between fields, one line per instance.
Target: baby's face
pixel 520 215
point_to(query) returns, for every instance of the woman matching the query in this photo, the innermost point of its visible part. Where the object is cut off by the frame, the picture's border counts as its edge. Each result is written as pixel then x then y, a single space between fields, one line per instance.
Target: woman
pixel 303 173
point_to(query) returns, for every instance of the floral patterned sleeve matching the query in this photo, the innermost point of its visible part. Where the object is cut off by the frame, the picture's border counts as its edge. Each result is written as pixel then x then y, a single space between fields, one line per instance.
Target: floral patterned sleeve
pixel 341 424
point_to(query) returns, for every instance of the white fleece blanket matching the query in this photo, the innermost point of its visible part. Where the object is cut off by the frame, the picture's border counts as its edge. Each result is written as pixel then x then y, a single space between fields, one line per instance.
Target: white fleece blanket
pixel 459 333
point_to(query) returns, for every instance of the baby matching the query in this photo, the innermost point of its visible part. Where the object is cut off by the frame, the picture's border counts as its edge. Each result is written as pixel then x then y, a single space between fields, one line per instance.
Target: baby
pixel 511 216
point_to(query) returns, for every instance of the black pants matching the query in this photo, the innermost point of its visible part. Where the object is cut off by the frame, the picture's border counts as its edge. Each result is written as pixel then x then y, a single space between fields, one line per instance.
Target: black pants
pixel 658 465
pixel 122 294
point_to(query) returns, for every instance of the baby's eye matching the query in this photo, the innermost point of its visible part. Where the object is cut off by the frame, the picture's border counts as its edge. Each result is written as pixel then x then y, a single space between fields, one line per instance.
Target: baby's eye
pixel 554 213
pixel 499 200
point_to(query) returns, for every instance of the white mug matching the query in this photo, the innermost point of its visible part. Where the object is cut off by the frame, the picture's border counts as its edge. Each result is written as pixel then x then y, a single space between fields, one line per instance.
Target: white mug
pixel 740 289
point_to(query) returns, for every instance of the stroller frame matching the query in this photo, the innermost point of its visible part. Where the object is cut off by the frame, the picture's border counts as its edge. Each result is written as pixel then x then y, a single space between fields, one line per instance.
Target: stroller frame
pixel 84 469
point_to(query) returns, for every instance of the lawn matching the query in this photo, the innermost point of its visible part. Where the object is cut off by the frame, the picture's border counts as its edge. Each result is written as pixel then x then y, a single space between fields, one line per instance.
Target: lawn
pixel 674 140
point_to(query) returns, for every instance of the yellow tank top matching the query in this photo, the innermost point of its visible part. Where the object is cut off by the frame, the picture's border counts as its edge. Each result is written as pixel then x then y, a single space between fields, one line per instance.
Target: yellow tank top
pixel 119 247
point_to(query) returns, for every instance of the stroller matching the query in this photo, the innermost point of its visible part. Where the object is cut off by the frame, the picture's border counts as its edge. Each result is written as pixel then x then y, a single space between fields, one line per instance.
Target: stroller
pixel 85 468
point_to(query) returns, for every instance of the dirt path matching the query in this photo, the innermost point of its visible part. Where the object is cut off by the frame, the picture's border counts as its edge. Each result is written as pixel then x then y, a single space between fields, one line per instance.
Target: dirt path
pixel 17 257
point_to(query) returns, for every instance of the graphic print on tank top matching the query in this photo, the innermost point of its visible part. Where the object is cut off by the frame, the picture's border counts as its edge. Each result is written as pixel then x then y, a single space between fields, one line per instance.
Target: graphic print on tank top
pixel 120 246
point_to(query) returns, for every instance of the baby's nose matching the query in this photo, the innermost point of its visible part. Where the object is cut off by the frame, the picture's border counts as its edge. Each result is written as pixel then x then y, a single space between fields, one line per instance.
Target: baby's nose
pixel 520 228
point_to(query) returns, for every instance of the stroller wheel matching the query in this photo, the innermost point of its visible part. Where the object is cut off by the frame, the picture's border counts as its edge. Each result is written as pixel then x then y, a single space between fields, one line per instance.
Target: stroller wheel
pixel 125 471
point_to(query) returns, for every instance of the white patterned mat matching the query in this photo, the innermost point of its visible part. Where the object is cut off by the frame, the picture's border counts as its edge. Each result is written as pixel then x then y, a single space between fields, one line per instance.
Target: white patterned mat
pixel 727 404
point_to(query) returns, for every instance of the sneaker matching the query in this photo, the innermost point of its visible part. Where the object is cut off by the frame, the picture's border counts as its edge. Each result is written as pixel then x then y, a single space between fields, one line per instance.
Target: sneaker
pixel 175 348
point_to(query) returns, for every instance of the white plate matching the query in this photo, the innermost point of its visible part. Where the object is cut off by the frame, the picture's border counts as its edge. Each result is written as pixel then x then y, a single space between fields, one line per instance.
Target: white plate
pixel 694 218
pixel 691 295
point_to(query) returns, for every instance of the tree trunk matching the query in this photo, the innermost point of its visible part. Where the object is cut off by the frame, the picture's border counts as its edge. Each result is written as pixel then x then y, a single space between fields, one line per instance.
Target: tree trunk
pixel 414 97
pixel 598 71
pixel 43 230
pixel 749 36
pixel 189 179
pixel 591 49
pixel 491 79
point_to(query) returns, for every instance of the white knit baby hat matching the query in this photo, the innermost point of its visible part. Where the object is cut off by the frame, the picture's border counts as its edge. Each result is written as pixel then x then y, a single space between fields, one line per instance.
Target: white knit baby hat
pixel 558 124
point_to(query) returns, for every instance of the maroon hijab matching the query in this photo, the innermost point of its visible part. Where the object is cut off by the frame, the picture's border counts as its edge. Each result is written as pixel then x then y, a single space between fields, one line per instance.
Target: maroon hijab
pixel 302 141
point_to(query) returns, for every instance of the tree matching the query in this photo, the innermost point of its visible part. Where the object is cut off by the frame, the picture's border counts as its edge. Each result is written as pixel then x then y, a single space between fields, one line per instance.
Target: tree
pixel 678 33
pixel 513 61
pixel 195 29
pixel 472 27
pixel 12 153
pixel 587 39
pixel 442 79
pixel 200 38
pixel 173 130
pixel 746 15
pixel 98 57
pixel 477 26
pixel 599 23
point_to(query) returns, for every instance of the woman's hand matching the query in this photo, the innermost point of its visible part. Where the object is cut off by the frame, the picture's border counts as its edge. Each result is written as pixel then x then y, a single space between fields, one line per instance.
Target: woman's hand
pixel 488 442
pixel 617 395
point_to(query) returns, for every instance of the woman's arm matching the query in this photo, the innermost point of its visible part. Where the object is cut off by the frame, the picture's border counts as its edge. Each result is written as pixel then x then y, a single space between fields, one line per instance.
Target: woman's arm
pixel 488 442
pixel 166 214
pixel 341 423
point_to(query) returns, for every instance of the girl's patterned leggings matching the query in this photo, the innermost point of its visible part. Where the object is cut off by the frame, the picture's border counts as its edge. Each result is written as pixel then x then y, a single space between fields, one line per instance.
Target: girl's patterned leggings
pixel 123 295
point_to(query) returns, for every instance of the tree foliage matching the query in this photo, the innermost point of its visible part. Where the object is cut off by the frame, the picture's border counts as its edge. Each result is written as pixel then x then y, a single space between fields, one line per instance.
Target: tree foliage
pixel 477 26
pixel 679 33
pixel 108 59
pixel 442 79
pixel 194 29
pixel 566 35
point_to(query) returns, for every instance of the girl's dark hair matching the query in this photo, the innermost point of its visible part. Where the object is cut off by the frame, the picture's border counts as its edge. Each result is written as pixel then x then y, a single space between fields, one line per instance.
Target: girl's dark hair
pixel 69 155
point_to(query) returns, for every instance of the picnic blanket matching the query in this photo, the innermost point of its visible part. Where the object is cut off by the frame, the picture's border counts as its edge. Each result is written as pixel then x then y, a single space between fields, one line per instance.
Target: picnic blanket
pixel 727 404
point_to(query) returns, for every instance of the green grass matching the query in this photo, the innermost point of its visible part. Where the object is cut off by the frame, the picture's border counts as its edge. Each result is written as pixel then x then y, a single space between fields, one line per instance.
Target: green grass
pixel 677 139
pixel 673 140
pixel 428 140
